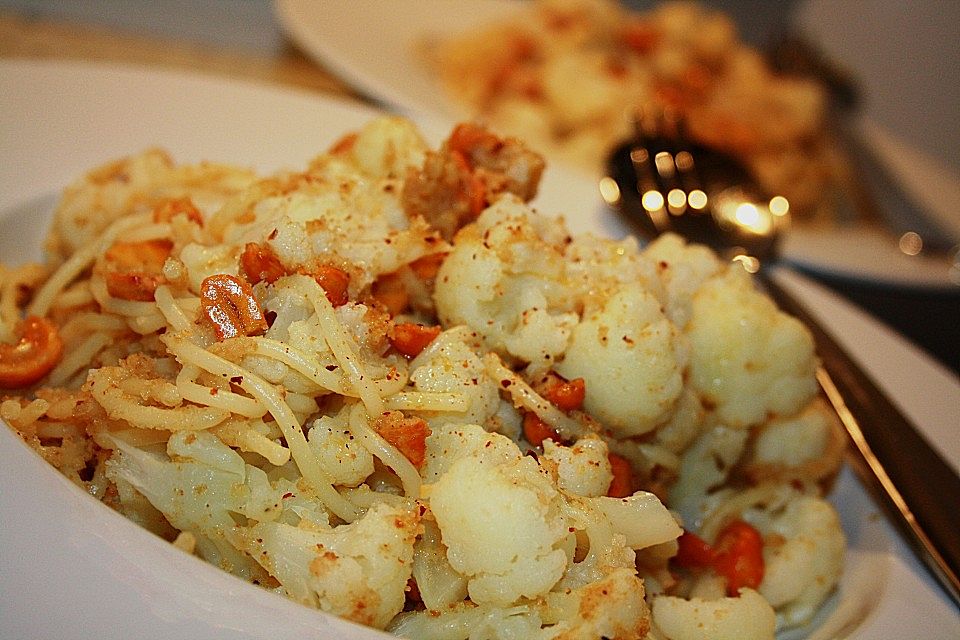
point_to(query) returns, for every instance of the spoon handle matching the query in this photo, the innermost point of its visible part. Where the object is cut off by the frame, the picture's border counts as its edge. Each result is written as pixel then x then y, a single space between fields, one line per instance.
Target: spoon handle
pixel 919 490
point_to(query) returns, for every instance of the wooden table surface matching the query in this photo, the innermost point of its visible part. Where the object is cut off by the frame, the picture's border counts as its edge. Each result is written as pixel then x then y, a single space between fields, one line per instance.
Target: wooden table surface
pixel 24 37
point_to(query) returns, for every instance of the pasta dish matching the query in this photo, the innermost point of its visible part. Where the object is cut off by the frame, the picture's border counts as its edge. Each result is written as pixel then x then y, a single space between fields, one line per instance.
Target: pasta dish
pixel 389 388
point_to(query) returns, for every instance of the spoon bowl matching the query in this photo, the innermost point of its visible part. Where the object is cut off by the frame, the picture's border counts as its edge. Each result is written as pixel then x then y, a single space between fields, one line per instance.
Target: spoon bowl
pixel 664 183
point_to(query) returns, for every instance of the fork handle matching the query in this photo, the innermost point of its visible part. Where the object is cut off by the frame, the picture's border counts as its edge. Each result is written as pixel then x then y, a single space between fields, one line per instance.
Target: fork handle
pixel 918 489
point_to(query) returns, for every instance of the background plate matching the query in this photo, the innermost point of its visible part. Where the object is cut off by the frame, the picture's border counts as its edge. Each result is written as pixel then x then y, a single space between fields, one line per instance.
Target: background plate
pixel 387 65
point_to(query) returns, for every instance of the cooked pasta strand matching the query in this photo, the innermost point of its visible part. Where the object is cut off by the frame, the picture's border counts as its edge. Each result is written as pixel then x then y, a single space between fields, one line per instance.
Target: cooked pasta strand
pixel 386 452
pixel 81 259
pixel 340 344
pixel 524 396
pixel 263 391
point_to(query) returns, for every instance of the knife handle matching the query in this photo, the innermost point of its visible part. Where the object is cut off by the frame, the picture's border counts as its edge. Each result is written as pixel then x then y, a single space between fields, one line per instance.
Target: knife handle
pixel 917 488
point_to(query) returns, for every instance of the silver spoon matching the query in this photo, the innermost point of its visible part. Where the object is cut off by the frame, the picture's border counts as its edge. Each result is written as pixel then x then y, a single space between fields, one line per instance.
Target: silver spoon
pixel 661 183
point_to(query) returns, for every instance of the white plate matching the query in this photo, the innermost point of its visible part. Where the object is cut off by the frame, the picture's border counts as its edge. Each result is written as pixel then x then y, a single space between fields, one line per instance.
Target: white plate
pixel 72 568
pixel 385 64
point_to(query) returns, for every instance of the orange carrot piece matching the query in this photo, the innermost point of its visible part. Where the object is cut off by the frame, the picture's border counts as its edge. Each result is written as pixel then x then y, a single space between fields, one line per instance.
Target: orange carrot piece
pixel 335 282
pixel 567 395
pixel 466 136
pixel 474 190
pixel 134 270
pixel 259 263
pixel 344 144
pixel 229 306
pixel 166 210
pixel 426 267
pixel 390 291
pixel 622 484
pixel 694 552
pixel 37 351
pixel 739 556
pixel 410 339
pixel 408 435
pixel 536 430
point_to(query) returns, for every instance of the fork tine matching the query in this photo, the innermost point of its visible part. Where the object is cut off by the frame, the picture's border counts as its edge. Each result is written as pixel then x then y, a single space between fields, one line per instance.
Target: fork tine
pixel 649 180
pixel 690 178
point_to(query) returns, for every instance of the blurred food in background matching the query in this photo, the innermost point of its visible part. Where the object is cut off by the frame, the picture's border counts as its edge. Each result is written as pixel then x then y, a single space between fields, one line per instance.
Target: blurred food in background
pixel 567 74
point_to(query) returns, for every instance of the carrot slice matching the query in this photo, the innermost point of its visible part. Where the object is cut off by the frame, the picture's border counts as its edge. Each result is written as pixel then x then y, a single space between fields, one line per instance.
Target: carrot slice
pixel 474 190
pixel 694 552
pixel 230 307
pixel 568 395
pixel 168 209
pixel 335 282
pixel 536 430
pixel 622 484
pixel 390 291
pixel 739 556
pixel 259 263
pixel 408 435
pixel 36 352
pixel 410 339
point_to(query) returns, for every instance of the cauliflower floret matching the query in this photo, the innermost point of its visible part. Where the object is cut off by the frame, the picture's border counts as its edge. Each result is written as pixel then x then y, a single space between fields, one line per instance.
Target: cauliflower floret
pixel 358 571
pixel 499 516
pixel 632 360
pixel 748 360
pixel 468 621
pixel 345 460
pixel 803 557
pixel 597 267
pixel 684 424
pixel 803 544
pixel 387 147
pixel 449 442
pixel 202 261
pixel 705 466
pixel 807 446
pixel 682 268
pixel 450 364
pixel 504 279
pixel 612 607
pixel 746 617
pixel 200 465
pixel 582 469
pixel 344 211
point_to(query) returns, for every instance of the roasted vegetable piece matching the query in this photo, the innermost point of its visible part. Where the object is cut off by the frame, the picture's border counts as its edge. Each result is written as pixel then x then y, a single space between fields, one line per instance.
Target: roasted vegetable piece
pixel 169 209
pixel 693 552
pixel 260 264
pixel 134 270
pixel 622 484
pixel 230 307
pixel 536 430
pixel 37 351
pixel 410 339
pixel 739 559
pixel 409 435
pixel 334 281
pixel 567 395
pixel 737 555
